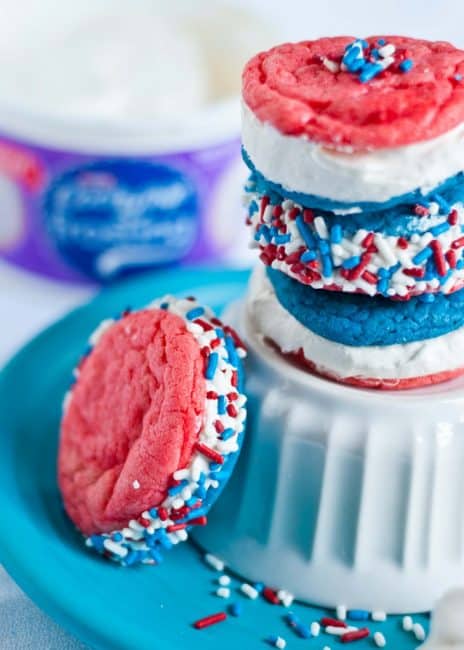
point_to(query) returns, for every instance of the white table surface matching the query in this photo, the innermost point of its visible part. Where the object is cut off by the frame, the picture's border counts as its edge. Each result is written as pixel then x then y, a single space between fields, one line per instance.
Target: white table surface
pixel 28 303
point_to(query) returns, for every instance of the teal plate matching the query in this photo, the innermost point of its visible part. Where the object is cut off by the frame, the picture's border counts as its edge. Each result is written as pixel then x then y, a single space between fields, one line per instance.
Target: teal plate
pixel 146 608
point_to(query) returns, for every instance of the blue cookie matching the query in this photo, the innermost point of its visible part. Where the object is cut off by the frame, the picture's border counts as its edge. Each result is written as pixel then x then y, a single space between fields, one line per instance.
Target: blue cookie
pixel 358 320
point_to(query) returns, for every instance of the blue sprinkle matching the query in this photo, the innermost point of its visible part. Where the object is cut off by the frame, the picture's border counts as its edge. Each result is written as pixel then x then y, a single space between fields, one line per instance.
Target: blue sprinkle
pixel 364 44
pixel 422 255
pixel 221 406
pixel 153 512
pixel 252 208
pixel 305 232
pixel 214 467
pixel 131 558
pixel 324 247
pixel 351 262
pixel 227 433
pixel 291 618
pixel 201 478
pixel 406 65
pixel 155 554
pixel 460 264
pixel 302 630
pixel 336 234
pixel 308 256
pixel 381 41
pixel 382 285
pixel 201 492
pixel 369 71
pixel 259 586
pixel 327 266
pixel 444 205
pixel 117 537
pixel 232 352
pixel 97 542
pixel 219 332
pixel 358 615
pixel 212 365
pixel 375 53
pixel 393 269
pixel 274 231
pixel 235 609
pixel 164 305
pixel 356 65
pixel 282 239
pixel 196 312
pixel 263 231
pixel 190 502
pixel 441 227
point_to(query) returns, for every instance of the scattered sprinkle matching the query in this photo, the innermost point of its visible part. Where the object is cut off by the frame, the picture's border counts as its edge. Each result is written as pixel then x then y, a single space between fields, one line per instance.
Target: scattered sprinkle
pixel 341 612
pixel 136 485
pixel 207 621
pixel 249 591
pixel 223 592
pixel 214 562
pixel 315 629
pixel 379 617
pixel 418 631
pixel 235 609
pixel 224 580
pixel 277 642
pixel 380 640
pixel 407 623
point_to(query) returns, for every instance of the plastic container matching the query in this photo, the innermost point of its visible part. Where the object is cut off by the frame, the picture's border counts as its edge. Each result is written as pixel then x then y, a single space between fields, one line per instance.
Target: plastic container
pixel 119 134
pixel 342 495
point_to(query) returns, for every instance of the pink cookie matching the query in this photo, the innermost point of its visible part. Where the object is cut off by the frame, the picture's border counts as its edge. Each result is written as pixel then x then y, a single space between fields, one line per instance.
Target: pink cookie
pixel 154 417
pixel 301 90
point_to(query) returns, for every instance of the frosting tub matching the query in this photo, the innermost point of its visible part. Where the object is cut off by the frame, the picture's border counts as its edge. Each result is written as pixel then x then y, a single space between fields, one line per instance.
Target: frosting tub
pixel 119 144
pixel 342 495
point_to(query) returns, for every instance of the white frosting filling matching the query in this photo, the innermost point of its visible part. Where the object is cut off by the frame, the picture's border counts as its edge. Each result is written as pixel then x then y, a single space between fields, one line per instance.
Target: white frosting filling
pixel 270 320
pixel 341 175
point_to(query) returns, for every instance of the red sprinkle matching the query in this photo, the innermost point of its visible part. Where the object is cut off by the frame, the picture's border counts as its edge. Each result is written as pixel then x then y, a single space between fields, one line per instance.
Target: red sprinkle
pixel 219 426
pixel 199 521
pixel 143 522
pixel 211 394
pixel 206 326
pixel 210 620
pixel 402 242
pixel 416 272
pixel 357 635
pixel 232 396
pixel 458 243
pixel 209 453
pixel 368 240
pixel 271 596
pixel 308 215
pixel 232 411
pixel 163 514
pixel 451 258
pixel 369 277
pixel 294 212
pixel 421 210
pixel 234 379
pixel 438 257
pixel 453 217
pixel 277 211
pixel 214 343
pixel 332 622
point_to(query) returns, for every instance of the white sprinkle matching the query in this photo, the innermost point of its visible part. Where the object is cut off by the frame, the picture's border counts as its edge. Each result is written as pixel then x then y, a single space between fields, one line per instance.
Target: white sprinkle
pixel 214 562
pixel 249 591
pixel 181 473
pixel 418 631
pixel 379 640
pixel 387 50
pixel 223 592
pixel 379 616
pixel 339 631
pixel 434 208
pixel 287 600
pixel 224 580
pixel 115 548
pixel 135 484
pixel 386 62
pixel 326 647
pixel 280 643
pixel 341 612
pixel 321 227
pixel 315 629
pixel 177 503
pixel 408 624
pixel 330 65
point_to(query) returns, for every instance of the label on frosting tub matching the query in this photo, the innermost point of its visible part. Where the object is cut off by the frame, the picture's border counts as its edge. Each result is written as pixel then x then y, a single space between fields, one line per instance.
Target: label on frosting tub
pixel 75 217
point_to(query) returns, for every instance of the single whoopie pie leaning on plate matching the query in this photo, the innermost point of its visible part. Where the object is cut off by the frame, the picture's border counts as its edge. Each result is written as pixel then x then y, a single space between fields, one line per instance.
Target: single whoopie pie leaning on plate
pixel 151 428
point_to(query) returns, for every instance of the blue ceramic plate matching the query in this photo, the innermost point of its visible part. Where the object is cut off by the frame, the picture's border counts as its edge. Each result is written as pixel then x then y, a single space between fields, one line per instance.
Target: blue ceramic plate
pixel 107 606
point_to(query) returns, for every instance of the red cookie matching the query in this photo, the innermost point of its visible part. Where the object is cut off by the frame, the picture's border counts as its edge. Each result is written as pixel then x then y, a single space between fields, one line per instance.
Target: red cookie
pixel 290 87
pixel 300 361
pixel 145 422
